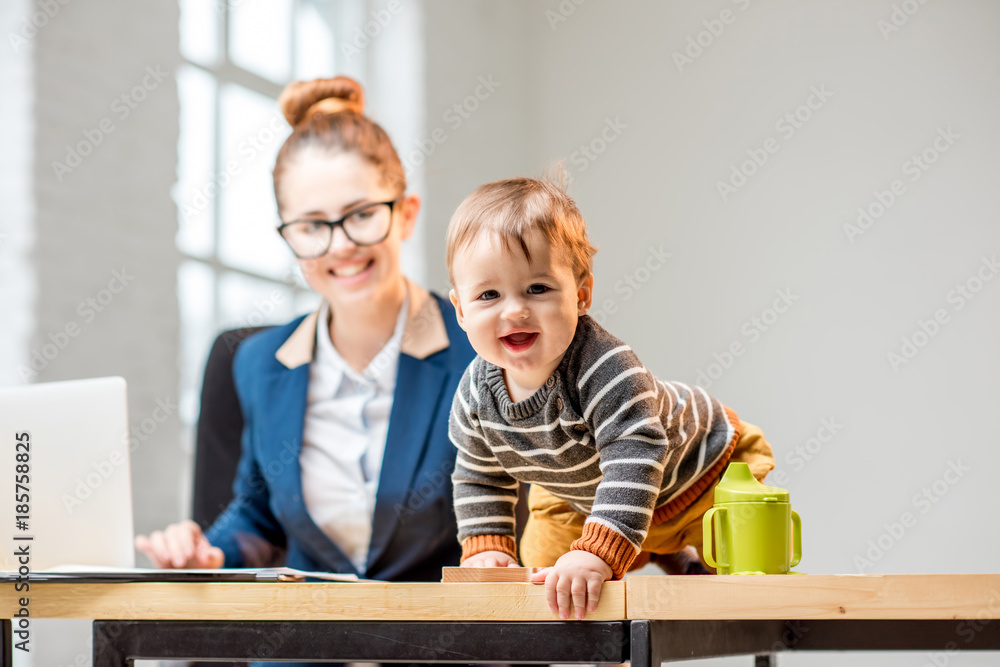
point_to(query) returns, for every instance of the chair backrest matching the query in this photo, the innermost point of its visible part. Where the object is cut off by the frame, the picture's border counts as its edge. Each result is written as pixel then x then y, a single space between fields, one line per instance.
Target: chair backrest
pixel 220 426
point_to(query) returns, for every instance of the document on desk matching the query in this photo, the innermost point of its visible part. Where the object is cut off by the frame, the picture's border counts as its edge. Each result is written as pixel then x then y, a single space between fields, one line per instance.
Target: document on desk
pixel 100 574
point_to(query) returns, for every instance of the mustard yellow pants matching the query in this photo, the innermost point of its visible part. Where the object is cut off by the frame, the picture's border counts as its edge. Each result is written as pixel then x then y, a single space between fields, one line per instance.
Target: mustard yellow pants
pixel 553 525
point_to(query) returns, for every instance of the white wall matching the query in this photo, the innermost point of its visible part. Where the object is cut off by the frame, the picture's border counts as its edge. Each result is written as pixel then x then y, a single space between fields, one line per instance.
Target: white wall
pixel 110 215
pixel 395 71
pixel 479 109
pixel 104 253
pixel 17 279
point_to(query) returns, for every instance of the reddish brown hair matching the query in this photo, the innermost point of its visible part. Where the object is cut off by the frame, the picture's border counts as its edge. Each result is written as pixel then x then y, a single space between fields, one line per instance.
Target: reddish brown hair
pixel 334 127
pixel 511 209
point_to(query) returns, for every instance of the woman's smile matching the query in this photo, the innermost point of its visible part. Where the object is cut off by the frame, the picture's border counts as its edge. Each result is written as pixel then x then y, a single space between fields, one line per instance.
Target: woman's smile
pixel 352 273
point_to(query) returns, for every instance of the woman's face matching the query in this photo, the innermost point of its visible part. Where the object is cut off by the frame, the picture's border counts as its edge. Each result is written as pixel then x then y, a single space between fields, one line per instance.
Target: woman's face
pixel 322 186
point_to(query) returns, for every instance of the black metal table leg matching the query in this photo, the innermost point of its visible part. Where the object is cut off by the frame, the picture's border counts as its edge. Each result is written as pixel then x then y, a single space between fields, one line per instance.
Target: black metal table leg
pixel 7 644
pixel 107 650
pixel 118 643
pixel 642 649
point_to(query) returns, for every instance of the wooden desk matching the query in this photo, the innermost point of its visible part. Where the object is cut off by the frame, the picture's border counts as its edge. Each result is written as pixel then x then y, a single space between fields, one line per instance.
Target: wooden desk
pixel 815 596
pixel 418 622
pixel 297 601
pixel 677 618
pixel 645 620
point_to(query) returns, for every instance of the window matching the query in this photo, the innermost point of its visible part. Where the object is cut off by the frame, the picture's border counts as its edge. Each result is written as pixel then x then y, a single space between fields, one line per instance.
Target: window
pixel 237 56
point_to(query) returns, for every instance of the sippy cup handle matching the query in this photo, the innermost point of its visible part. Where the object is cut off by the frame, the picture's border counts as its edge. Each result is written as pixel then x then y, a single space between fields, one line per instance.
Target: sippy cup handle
pixel 796 539
pixel 708 541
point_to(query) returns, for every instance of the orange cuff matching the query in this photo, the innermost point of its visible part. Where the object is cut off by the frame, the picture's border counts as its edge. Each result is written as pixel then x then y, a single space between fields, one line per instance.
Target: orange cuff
pixel 607 545
pixel 480 543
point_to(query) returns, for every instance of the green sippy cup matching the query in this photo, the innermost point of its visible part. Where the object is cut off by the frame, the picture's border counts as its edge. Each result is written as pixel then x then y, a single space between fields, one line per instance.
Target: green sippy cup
pixel 752 528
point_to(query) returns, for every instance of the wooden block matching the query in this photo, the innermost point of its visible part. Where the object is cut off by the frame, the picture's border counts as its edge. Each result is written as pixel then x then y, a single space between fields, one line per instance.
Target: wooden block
pixel 377 601
pixel 488 574
pixel 815 596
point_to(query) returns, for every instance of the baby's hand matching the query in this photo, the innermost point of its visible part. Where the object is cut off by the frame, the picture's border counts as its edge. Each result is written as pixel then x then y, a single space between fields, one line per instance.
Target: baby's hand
pixel 491 559
pixel 576 578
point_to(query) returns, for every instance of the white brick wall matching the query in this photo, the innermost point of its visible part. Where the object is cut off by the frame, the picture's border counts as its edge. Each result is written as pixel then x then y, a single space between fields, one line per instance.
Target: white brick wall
pixel 17 279
pixel 112 213
pixel 68 234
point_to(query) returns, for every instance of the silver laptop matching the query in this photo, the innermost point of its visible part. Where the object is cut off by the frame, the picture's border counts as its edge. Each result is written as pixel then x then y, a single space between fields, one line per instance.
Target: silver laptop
pixel 64 450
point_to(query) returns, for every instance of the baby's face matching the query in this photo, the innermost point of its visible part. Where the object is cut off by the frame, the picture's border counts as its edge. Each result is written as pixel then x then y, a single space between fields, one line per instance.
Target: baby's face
pixel 519 315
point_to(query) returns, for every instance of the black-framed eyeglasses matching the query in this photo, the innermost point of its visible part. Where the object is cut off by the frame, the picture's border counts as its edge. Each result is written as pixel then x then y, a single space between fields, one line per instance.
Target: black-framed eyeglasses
pixel 365 225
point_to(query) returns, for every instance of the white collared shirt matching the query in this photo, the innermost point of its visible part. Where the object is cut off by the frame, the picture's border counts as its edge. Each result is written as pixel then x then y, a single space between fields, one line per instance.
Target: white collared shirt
pixel 347 420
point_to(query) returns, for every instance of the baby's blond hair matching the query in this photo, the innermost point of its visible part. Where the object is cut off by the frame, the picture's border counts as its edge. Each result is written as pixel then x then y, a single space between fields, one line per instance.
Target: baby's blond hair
pixel 514 207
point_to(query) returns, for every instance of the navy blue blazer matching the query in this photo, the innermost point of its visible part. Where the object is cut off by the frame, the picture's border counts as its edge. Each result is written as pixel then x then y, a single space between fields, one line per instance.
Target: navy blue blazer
pixel 414 528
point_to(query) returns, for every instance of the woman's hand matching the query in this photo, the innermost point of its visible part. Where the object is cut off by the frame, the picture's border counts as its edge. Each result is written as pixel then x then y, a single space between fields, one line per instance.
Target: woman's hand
pixel 491 559
pixel 180 545
pixel 574 581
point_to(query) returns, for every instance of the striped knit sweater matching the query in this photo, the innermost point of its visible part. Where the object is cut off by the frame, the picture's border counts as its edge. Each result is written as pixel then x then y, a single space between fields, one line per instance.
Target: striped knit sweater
pixel 602 433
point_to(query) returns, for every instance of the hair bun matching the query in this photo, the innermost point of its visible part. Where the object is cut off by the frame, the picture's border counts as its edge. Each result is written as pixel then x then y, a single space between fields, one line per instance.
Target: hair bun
pixel 340 93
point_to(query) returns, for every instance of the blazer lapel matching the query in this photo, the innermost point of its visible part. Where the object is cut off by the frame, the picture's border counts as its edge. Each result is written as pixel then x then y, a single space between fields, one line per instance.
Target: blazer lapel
pixel 282 445
pixel 419 384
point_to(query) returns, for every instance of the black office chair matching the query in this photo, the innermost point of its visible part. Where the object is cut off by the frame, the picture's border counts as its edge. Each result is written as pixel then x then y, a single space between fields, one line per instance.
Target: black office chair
pixel 220 425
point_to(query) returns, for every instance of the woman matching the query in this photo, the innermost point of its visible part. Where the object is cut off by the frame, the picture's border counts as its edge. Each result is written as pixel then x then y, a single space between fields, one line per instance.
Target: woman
pixel 345 460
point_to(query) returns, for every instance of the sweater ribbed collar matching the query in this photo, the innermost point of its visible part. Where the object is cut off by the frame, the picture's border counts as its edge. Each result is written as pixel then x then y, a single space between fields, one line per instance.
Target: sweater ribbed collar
pixel 508 408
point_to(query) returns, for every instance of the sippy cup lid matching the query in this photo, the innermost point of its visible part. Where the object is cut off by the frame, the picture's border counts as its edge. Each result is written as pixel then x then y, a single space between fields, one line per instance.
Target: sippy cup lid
pixel 738 485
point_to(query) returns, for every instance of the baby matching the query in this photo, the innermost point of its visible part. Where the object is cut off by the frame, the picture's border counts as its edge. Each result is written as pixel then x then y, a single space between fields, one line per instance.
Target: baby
pixel 620 463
